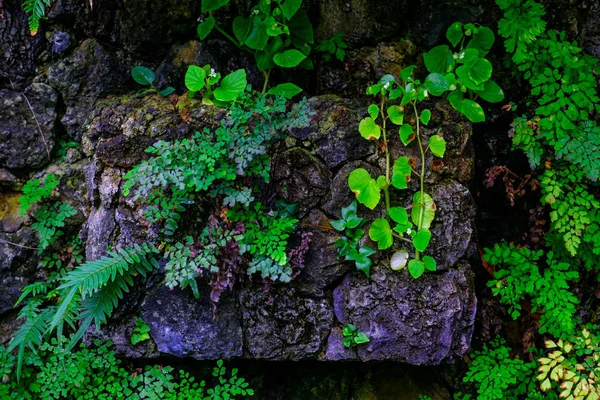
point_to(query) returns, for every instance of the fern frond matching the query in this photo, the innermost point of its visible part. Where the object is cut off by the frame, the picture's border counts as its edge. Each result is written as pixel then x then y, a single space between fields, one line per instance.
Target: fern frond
pixel 34 290
pixel 36 10
pixel 30 334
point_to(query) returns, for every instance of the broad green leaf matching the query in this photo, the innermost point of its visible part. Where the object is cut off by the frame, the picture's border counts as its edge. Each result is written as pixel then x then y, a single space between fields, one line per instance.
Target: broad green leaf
pixel 290 7
pixel 468 108
pixel 231 86
pixel 361 338
pixel 211 5
pixel 483 40
pixel 421 239
pixel 143 75
pixel 468 57
pixel 301 30
pixel 206 27
pixel 399 260
pixel 166 91
pixel 338 224
pixel 437 145
pixel 422 209
pixel 381 233
pixel 373 111
pixel 257 37
pixel 399 215
pixel 273 28
pixel 407 72
pixel 365 188
pixel 241 28
pixel 288 90
pixel 430 264
pixel 369 129
pixel 406 134
pixel 491 92
pixel 395 115
pixel 481 71
pixel 194 78
pixel 465 78
pixel 454 34
pixel 289 58
pixel 439 59
pixel 264 58
pixel 425 116
pixel 436 83
pixel 401 172
pixel 416 268
pixel 382 182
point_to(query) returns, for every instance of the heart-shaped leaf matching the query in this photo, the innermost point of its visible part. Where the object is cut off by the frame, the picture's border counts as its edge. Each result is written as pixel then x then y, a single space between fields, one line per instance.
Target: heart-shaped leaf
pixel 399 260
pixel 421 239
pixel 301 30
pixel 491 92
pixel 381 233
pixel 373 111
pixel 401 172
pixel 257 36
pixel 436 83
pixel 211 5
pixel 483 40
pixel 424 210
pixel 143 75
pixel 361 338
pixel 395 115
pixel 364 187
pixel 231 86
pixel 468 108
pixel 241 28
pixel 287 90
pixel 416 268
pixel 399 215
pixel 454 33
pixel 406 73
pixel 289 58
pixel 465 78
pixel 407 134
pixel 481 71
pixel 205 27
pixel 439 59
pixel 425 116
pixel 194 78
pixel 369 129
pixel 290 7
pixel 430 264
pixel 437 145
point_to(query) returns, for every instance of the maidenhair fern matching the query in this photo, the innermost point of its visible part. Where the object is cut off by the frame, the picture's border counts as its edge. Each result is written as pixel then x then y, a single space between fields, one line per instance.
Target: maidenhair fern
pixel 36 10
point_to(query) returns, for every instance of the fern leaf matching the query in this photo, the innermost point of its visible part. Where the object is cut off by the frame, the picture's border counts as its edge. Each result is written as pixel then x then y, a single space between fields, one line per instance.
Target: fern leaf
pixel 36 10
pixel 30 334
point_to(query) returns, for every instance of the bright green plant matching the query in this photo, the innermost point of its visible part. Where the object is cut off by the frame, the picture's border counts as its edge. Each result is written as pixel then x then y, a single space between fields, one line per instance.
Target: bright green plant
pixel 352 337
pixel 145 77
pixel 334 47
pixel 278 33
pixel 141 332
pixel 35 191
pixel 464 71
pixel 348 245
pixel 201 80
pixel 36 10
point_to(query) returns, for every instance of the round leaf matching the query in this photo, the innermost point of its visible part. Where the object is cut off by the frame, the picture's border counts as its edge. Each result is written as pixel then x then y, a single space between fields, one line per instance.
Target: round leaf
pixel 428 208
pixel 481 71
pixel 430 264
pixel 143 75
pixel 395 115
pixel 399 215
pixel 491 92
pixel 241 28
pixel 439 59
pixel 369 129
pixel 421 239
pixel 381 233
pixel 288 90
pixel 472 111
pixel 416 268
pixel 406 134
pixel 194 78
pixel 436 83
pixel 401 173
pixel 454 33
pixel 365 188
pixel 231 86
pixel 465 78
pixel 482 40
pixel 257 36
pixel 399 260
pixel 289 58
pixel 206 27
pixel 425 116
pixel 373 111
pixel 437 145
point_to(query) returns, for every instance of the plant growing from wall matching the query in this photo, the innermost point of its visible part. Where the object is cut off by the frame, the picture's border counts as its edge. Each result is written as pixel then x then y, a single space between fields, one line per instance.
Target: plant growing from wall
pixel 352 337
pixel 145 77
pixel 36 10
pixel 141 332
pixel 201 81
pixel 333 48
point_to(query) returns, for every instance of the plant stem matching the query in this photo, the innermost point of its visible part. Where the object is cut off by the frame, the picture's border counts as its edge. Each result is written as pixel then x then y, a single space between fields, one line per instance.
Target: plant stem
pixel 267 74
pixel 422 177
pixel 227 35
pixel 387 163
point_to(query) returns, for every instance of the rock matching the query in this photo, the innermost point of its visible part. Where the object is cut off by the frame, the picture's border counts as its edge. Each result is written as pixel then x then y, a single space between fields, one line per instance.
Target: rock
pixel 336 350
pixel 212 334
pixel 425 321
pixel 282 325
pixel 27 126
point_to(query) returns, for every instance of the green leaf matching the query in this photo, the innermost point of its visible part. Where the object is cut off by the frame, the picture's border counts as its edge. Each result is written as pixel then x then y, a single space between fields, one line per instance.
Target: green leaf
pixel 206 27
pixel 365 188
pixel 288 90
pixel 361 338
pixel 211 5
pixel 416 268
pixel 401 172
pixel 241 28
pixel 491 92
pixel 436 84
pixel 425 207
pixel 338 224
pixel 463 75
pixel 481 71
pixel 407 72
pixel 194 78
pixel 257 37
pixel 468 108
pixel 264 58
pixel 369 129
pixel 143 75
pixel 425 116
pixel 381 233
pixel 166 91
pixel 454 34
pixel 289 58
pixel 437 145
pixel 399 260
pixel 231 86
pixel 421 239
pixel 301 30
pixel 373 111
pixel 290 7
pixel 439 59
pixel 483 40
pixel 396 115
pixel 406 134
pixel 399 215
pixel 430 264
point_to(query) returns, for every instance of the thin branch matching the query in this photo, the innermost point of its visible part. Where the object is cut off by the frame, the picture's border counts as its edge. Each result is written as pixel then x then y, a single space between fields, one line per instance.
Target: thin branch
pixel 18 245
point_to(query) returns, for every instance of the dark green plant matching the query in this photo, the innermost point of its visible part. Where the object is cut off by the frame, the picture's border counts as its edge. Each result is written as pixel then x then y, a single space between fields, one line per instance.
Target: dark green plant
pixel 278 33
pixel 352 337
pixel 201 80
pixel 145 77
pixel 141 332
pixel 334 47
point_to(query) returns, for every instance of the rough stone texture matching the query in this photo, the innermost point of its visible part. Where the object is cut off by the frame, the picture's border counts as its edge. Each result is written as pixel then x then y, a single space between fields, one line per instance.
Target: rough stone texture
pixel 422 322
pixel 22 144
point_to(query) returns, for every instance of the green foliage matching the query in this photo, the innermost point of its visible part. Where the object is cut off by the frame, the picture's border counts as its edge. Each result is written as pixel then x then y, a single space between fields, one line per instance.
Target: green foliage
pixel 34 191
pixel 145 77
pixel 201 80
pixel 49 220
pixel 333 48
pixel 352 337
pixel 36 10
pixel 141 332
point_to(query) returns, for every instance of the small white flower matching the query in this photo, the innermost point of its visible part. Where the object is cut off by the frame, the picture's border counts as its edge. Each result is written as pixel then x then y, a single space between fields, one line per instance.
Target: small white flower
pixel 212 73
pixel 426 94
pixel 408 231
pixel 462 55
pixel 255 12
pixel 387 85
pixel 455 56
